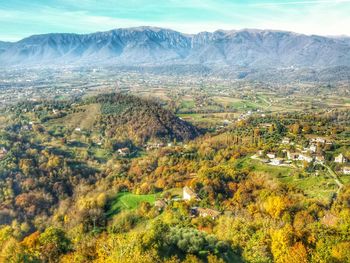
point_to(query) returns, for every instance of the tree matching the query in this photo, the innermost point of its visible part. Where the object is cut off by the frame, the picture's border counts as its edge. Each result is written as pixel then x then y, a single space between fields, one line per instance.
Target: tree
pixel 341 252
pixel 281 241
pixel 275 206
pixel 295 128
pixel 53 242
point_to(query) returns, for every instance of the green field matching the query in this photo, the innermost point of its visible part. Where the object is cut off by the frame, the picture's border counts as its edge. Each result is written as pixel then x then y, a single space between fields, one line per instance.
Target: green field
pixel 129 201
pixel 321 187
pixel 83 119
pixel 255 165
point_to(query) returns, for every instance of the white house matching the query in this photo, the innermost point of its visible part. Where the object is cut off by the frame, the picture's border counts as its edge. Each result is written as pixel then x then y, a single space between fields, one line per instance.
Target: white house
pixel 340 159
pixel 313 148
pixel 346 170
pixel 188 194
pixel 276 161
pixel 123 151
pixel 271 155
pixel 292 156
pixel 320 158
pixel 207 212
pixel 318 139
pixel 305 158
pixel 286 141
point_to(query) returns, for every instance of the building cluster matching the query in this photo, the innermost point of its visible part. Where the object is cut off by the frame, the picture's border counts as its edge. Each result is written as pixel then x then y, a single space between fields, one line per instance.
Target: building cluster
pixel 157 145
pixel 341 159
pixel 189 195
pixel 312 153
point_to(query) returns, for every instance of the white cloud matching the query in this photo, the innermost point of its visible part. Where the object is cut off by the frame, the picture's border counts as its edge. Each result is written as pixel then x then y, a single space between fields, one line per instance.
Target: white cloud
pixel 316 2
pixel 320 18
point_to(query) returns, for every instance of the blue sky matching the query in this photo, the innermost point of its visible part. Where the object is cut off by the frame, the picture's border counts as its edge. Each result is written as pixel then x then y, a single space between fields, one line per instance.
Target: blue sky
pixel 21 18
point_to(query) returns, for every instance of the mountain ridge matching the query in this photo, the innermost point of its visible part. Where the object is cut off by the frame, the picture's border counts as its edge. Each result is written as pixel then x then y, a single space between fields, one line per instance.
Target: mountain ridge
pixel 251 48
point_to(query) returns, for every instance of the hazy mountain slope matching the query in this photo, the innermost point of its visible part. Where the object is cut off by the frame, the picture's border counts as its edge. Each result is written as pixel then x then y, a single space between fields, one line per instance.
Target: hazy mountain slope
pixel 156 46
pixel 4 46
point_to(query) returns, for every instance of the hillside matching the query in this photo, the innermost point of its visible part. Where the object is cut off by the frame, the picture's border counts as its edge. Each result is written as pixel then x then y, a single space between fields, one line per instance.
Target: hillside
pixel 156 46
pixel 68 195
pixel 116 117
pixel 53 147
pixel 124 116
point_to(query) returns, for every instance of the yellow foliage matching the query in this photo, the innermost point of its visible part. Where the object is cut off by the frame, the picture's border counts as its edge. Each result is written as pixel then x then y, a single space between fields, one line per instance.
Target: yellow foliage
pixel 281 241
pixel 192 259
pixel 215 259
pixel 275 206
pixel 101 200
pixel 341 252
pixel 298 253
pixel 32 240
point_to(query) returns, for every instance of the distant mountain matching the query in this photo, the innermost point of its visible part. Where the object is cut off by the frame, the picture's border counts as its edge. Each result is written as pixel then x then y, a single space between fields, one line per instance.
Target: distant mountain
pixel 4 46
pixel 148 46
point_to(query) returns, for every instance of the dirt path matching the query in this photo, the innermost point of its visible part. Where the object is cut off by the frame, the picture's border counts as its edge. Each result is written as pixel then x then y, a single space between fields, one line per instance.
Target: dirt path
pixel 335 176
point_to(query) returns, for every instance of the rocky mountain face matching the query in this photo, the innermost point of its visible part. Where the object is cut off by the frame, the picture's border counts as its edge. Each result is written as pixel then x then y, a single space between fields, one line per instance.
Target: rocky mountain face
pixel 147 46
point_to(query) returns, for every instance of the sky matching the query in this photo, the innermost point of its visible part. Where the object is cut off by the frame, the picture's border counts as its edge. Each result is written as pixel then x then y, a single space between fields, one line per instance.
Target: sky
pixel 22 18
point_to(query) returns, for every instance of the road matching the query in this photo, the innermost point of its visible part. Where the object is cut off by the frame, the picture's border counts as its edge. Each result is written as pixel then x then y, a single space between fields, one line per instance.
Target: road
pixel 335 176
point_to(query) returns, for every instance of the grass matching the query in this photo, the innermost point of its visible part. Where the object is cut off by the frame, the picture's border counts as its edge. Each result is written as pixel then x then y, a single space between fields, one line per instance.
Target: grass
pixel 129 201
pixel 174 192
pixel 187 105
pixel 321 187
pixel 345 179
pixel 102 155
pixel 84 119
pixel 255 165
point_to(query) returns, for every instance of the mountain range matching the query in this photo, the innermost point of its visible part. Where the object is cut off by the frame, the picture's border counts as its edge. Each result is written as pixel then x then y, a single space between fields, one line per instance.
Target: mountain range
pixel 150 46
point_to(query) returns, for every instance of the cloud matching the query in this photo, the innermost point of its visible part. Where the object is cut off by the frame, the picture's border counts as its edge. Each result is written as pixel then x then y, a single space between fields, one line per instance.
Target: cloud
pixel 323 17
pixel 316 2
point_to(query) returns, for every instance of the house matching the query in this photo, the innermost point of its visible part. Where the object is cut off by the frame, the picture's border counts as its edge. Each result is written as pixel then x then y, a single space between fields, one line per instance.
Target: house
pixel 226 122
pixel 346 170
pixel 160 204
pixel 205 212
pixel 329 219
pixel 340 159
pixel 320 158
pixel 313 148
pixel 153 146
pixel 286 141
pixel 276 161
pixel 292 156
pixel 266 125
pixel 318 139
pixel 260 153
pixel 123 151
pixel 305 158
pixel 188 194
pixel 271 155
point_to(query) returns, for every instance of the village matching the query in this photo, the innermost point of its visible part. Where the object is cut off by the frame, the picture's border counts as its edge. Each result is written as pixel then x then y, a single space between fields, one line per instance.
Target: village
pixel 294 155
